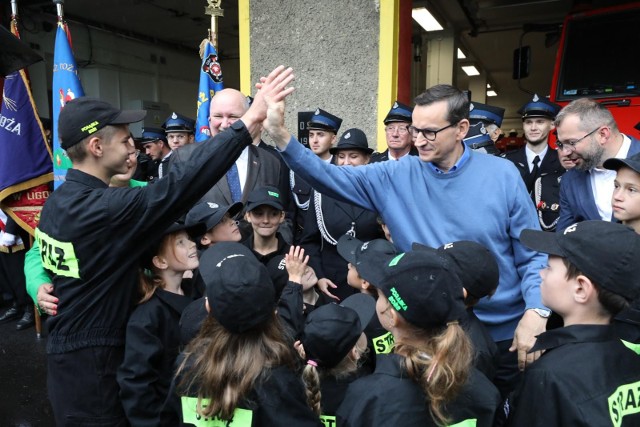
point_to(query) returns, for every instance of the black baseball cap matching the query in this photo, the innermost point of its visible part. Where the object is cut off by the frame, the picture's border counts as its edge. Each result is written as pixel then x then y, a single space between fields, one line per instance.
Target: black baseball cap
pixel 423 288
pixel 84 116
pixel 268 195
pixel 354 250
pixel 239 289
pixel 210 214
pixel 193 230
pixel 331 330
pixel 474 264
pixel 352 139
pixel 632 162
pixel 606 252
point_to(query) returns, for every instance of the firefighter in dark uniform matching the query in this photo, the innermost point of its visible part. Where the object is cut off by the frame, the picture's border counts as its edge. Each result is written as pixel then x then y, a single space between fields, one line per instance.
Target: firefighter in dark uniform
pixel 90 240
pixel 179 130
pixel 155 145
pixel 399 139
pixel 328 219
pixel 323 128
pixel 537 162
pixel 484 122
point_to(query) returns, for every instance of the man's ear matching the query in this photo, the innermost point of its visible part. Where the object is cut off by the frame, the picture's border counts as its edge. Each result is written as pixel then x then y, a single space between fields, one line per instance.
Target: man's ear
pixel 463 128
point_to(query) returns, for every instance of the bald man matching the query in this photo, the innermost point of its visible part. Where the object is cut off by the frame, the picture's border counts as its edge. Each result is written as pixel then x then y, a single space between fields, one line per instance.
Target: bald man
pixel 256 167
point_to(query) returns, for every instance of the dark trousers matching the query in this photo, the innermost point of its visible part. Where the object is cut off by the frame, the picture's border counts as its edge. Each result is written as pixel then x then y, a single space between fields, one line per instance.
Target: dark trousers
pixel 82 387
pixel 508 375
pixel 12 278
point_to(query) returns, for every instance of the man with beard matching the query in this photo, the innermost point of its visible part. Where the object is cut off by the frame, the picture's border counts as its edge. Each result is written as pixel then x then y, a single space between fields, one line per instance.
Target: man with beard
pixel 538 164
pixel 590 135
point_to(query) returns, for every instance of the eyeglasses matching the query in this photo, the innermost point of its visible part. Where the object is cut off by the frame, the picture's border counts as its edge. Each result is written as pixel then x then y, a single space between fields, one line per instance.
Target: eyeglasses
pixel 571 145
pixel 402 130
pixel 429 134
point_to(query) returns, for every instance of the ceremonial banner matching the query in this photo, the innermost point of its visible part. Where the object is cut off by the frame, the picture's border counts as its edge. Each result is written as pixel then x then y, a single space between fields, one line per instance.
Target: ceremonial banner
pixel 210 83
pixel 66 86
pixel 25 157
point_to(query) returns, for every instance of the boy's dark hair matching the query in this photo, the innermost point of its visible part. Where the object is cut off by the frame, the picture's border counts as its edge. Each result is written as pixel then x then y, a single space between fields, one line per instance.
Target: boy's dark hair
pixel 611 302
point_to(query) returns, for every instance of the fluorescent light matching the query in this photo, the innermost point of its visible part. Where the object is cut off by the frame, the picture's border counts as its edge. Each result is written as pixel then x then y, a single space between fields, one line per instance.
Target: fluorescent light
pixel 426 20
pixel 491 93
pixel 488 85
pixel 461 54
pixel 471 70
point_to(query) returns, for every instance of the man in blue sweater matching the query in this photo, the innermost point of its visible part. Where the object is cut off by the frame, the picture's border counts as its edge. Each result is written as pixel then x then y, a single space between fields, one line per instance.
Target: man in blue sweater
pixel 448 193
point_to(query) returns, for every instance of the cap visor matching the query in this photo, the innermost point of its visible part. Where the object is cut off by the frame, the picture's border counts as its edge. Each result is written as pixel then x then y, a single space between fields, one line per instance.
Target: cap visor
pixel 252 206
pixel 615 164
pixel 128 116
pixel 364 305
pixel 347 247
pixel 542 241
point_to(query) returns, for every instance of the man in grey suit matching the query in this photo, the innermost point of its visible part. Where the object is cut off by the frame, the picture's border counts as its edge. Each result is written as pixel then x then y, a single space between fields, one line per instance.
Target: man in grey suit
pixel 589 135
pixel 256 167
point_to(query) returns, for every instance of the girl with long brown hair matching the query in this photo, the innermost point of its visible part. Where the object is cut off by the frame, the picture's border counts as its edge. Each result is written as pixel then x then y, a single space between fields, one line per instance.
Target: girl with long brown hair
pixel 429 379
pixel 239 367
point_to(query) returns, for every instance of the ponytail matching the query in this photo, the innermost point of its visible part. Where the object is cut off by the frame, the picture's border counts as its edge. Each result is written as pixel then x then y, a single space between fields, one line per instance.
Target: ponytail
pixel 440 364
pixel 311 380
pixel 148 283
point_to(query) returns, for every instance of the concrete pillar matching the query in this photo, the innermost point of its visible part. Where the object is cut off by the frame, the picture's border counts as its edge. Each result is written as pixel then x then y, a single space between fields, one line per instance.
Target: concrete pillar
pixel 339 53
pixel 441 58
pixel 478 88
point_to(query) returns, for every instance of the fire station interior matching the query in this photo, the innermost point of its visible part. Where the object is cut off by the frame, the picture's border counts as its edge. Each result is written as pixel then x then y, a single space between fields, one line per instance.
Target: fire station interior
pixel 485 31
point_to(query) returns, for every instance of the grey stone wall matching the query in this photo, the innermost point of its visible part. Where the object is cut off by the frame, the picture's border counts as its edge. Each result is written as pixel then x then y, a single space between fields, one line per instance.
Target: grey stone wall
pixel 332 46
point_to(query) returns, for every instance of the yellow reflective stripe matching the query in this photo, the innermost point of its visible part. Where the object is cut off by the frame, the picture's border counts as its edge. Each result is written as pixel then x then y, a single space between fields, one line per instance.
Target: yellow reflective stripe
pixel 624 401
pixel 58 257
pixel 241 417
pixel 632 346
pixel 328 420
pixel 466 423
pixel 384 343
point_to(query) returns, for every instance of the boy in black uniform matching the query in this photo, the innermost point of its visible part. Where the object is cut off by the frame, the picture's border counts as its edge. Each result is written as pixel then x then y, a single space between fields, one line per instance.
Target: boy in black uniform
pixel 586 373
pixel 90 237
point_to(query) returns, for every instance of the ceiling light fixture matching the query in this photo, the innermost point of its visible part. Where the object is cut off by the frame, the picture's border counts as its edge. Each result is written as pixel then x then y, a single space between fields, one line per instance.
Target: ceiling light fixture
pixel 426 20
pixel 461 54
pixel 471 70
pixel 491 93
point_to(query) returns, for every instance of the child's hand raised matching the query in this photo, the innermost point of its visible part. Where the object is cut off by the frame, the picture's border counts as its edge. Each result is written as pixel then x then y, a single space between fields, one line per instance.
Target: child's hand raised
pixel 296 263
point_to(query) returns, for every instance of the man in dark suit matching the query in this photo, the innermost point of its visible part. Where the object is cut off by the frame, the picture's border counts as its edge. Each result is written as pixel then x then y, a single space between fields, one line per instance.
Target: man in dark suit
pixel 256 167
pixel 396 130
pixel 537 163
pixel 589 134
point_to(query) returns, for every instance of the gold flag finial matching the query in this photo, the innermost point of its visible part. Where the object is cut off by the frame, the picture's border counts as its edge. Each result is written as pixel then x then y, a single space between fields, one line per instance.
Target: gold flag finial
pixel 214 10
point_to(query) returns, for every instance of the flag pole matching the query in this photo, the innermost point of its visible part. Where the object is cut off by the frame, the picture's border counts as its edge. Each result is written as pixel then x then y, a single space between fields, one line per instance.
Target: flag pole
pixel 59 9
pixel 214 10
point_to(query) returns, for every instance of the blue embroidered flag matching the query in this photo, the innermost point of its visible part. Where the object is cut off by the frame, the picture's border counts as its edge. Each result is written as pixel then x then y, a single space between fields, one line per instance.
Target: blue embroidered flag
pixel 25 158
pixel 66 86
pixel 210 83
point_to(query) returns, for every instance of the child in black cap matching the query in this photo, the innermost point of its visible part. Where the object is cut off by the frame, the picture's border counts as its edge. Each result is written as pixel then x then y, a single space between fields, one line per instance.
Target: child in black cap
pixel 477 269
pixel 220 221
pixel 429 379
pixel 626 195
pixel 587 374
pixel 333 344
pixel 265 213
pixel 153 334
pixel 360 255
pixel 240 366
